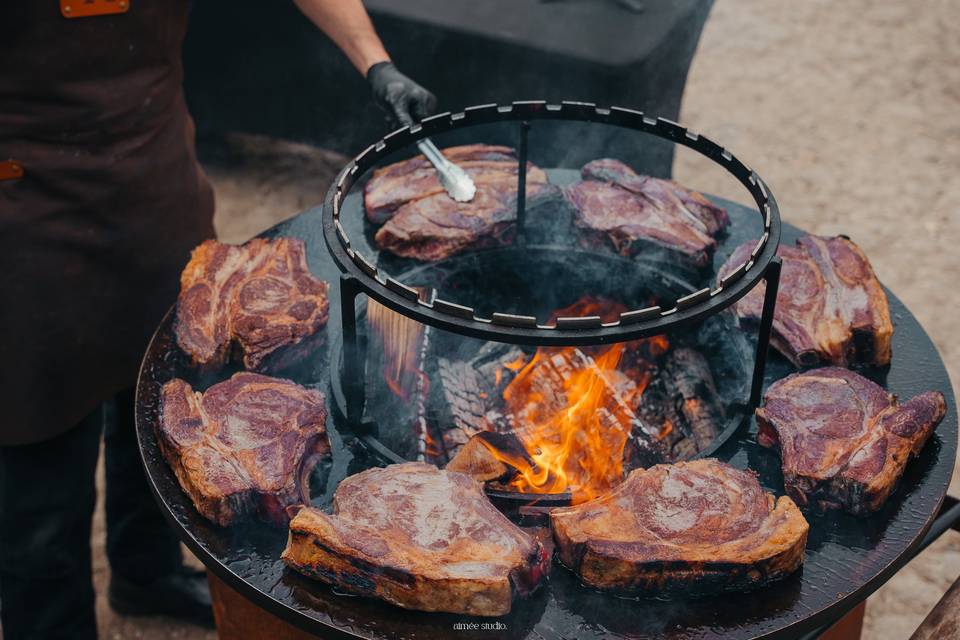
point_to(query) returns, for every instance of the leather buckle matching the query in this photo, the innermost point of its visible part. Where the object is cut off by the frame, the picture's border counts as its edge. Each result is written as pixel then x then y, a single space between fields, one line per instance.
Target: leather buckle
pixel 11 170
pixel 88 8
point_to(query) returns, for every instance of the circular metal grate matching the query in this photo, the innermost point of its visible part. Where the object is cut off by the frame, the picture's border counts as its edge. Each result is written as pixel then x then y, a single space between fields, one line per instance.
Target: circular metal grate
pixel 519 328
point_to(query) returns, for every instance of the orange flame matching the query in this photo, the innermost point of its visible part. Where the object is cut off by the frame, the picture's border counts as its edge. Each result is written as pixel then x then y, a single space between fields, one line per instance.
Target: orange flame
pixel 573 409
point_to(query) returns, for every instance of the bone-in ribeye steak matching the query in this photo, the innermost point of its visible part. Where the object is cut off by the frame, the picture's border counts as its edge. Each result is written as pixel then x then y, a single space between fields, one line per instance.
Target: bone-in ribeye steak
pixel 244 445
pixel 830 308
pixel 395 185
pixel 260 296
pixel 616 208
pixel 420 538
pixel 699 526
pixel 844 441
pixel 421 221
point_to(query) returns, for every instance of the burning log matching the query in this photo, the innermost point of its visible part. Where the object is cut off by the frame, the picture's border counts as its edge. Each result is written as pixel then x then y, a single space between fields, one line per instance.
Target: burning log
pixel 478 460
pixel 466 400
pixel 500 363
pixel 696 394
pixel 463 394
pixel 657 407
pixel 572 420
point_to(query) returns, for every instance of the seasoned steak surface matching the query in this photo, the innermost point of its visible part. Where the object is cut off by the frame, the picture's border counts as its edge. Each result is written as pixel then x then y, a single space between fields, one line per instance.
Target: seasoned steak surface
pixel 421 221
pixel 240 447
pixel 420 538
pixel 397 184
pixel 699 526
pixel 844 441
pixel 631 214
pixel 831 308
pixel 260 296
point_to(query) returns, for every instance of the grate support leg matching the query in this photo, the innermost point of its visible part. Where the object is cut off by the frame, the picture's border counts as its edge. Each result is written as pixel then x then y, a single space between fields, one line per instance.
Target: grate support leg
pixel 771 278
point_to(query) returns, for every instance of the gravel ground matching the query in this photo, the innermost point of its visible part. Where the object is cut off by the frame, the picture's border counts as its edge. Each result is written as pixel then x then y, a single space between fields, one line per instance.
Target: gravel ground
pixel 850 111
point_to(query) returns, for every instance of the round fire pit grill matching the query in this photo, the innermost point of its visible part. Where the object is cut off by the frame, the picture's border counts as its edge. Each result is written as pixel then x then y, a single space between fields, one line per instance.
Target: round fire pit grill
pixel 847 558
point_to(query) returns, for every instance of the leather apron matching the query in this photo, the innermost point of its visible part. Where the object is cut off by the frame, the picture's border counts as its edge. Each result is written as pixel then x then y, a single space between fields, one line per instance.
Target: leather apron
pixel 110 202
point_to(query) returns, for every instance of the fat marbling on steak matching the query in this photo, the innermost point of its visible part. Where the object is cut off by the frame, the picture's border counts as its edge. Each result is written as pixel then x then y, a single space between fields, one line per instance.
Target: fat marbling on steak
pixel 395 185
pixel 420 538
pixel 699 526
pixel 260 296
pixel 843 440
pixel 421 221
pixel 831 308
pixel 631 214
pixel 244 445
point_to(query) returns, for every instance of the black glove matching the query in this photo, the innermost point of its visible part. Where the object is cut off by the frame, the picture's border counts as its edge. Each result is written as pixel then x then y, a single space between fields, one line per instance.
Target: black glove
pixel 401 98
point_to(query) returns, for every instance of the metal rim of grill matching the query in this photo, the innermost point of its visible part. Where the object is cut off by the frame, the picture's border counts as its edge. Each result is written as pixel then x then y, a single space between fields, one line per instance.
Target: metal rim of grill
pixel 521 328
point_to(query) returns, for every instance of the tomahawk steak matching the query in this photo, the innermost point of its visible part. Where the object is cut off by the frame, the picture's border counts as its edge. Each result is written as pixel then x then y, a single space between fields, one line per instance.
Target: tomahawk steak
pixel 830 308
pixel 244 445
pixel 420 538
pixel 616 208
pixel 698 526
pixel 421 221
pixel 260 296
pixel 843 440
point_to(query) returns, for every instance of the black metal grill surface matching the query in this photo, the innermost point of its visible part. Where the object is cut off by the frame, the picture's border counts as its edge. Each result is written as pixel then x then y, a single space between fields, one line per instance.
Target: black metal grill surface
pixel 846 557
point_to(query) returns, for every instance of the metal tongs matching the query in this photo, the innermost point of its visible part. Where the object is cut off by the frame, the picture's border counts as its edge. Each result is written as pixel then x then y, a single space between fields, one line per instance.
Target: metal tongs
pixel 454 180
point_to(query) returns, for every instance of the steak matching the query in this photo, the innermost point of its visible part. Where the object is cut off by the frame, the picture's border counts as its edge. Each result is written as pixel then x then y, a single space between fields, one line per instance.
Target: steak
pixel 843 440
pixel 421 221
pixel 420 538
pixel 259 296
pixel 395 185
pixel 830 308
pixel 698 526
pixel 244 446
pixel 616 208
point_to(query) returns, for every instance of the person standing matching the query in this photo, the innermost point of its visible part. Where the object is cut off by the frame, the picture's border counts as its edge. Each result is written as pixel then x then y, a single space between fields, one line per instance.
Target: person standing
pixel 101 201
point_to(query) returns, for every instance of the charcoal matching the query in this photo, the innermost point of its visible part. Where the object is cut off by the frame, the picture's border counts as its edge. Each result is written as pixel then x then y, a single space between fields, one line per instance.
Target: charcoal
pixel 663 436
pixel 696 395
pixel 494 357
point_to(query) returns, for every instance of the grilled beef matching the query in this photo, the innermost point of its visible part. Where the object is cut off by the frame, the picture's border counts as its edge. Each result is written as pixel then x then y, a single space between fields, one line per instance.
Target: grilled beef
pixel 243 446
pixel 843 440
pixel 421 221
pixel 830 309
pixel 618 209
pixel 420 538
pixel 393 186
pixel 698 526
pixel 260 296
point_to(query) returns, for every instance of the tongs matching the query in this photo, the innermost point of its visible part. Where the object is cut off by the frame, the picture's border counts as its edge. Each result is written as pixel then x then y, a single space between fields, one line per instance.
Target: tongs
pixel 454 180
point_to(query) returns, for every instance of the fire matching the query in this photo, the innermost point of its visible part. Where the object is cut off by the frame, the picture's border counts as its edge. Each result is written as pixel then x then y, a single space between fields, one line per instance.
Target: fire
pixel 573 411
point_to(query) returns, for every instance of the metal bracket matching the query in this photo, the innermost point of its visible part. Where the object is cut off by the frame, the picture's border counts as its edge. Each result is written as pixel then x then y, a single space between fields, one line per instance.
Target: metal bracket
pixel 771 279
pixel 353 358
pixel 522 181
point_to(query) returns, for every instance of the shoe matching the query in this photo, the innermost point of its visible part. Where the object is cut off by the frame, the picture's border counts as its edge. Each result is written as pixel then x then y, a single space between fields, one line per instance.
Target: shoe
pixel 183 595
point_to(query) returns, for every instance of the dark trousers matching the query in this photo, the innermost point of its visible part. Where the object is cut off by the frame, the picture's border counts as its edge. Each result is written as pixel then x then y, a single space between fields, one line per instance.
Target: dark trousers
pixel 47 498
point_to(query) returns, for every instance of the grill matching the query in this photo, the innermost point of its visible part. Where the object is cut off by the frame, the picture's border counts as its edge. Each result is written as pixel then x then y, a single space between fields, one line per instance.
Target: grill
pixel 464 305
pixel 534 260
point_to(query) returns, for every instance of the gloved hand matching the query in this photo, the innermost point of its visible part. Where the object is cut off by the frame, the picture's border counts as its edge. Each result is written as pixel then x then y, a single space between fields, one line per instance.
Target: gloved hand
pixel 401 98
